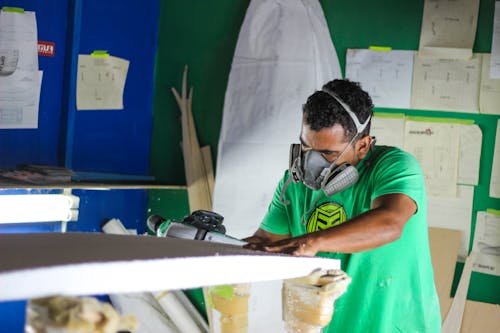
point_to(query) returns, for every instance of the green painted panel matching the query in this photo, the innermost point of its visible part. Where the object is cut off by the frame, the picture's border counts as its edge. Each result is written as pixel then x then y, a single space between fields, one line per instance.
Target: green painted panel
pixel 203 34
pixel 169 203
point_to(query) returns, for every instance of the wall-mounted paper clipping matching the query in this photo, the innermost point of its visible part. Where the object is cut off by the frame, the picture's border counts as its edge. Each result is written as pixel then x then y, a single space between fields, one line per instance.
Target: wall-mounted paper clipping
pixel 436 147
pixel 487 243
pixel 20 79
pixel 101 81
pixel 385 75
pixel 448 28
pixel 446 84
pixel 495 169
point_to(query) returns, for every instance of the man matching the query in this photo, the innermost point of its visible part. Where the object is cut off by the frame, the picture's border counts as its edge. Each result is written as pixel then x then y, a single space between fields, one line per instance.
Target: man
pixel 345 198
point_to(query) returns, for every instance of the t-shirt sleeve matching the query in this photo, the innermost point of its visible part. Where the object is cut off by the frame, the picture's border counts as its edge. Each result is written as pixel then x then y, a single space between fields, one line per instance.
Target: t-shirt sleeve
pixel 399 172
pixel 276 219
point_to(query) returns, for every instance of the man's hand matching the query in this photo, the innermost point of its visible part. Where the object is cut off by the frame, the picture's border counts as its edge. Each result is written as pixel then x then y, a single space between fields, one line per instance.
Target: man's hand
pixel 297 246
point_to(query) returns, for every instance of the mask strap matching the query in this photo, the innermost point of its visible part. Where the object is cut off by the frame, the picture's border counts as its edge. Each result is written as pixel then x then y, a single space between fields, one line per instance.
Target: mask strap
pixel 311 207
pixel 359 126
pixel 333 165
pixel 283 190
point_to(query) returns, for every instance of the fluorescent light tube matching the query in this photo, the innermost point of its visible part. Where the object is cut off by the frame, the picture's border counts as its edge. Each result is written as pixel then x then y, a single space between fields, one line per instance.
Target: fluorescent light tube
pixel 22 208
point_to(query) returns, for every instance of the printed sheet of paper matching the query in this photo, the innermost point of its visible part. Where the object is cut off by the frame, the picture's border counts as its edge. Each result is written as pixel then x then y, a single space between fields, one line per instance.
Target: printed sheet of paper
pixel 487 244
pixel 100 83
pixel 385 75
pixel 446 84
pixel 495 169
pixel 448 28
pixel 471 139
pixel 436 147
pixel 453 213
pixel 281 71
pixel 20 79
pixel 495 45
pixel 489 90
pixel 388 129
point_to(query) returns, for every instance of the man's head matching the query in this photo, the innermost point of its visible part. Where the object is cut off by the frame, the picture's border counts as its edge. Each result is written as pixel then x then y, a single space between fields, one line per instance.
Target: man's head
pixel 327 126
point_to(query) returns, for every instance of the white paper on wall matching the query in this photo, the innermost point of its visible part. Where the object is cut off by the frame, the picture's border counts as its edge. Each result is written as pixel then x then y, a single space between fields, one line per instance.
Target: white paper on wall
pixel 495 45
pixel 388 129
pixel 448 28
pixel 446 84
pixel 20 79
pixel 272 74
pixel 385 75
pixel 453 213
pixel 100 82
pixel 487 244
pixel 436 147
pixel 471 139
pixel 495 168
pixel 19 103
pixel 489 90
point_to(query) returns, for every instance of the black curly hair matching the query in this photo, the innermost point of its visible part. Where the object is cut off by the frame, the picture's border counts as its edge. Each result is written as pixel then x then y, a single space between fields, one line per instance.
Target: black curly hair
pixel 322 110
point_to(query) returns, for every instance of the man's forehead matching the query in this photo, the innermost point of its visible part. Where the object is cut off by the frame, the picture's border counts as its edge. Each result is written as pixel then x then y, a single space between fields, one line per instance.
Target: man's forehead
pixel 331 138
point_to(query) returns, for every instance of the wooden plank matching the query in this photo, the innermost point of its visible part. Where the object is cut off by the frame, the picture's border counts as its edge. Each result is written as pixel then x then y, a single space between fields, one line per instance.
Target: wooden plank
pixel 201 189
pixel 209 169
pixel 43 264
pixel 453 321
pixel 481 317
pixel 444 245
pixel 198 188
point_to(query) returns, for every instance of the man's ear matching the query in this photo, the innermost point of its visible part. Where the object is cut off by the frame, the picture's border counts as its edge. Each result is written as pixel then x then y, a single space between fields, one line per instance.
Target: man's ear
pixel 363 146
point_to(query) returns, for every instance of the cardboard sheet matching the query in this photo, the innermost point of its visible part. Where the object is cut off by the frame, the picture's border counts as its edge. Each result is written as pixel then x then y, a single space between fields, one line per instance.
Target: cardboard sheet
pixel 444 245
pixel 37 265
pixel 453 213
pixel 478 317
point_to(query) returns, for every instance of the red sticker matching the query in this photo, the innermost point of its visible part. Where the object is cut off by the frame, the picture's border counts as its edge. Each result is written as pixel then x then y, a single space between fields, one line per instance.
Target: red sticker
pixel 46 49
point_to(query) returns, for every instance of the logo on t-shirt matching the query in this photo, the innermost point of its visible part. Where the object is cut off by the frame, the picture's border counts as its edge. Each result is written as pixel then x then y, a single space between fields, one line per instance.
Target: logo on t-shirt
pixel 325 216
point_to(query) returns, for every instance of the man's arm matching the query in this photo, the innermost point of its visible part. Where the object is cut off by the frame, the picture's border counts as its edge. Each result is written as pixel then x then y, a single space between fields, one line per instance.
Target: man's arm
pixel 382 224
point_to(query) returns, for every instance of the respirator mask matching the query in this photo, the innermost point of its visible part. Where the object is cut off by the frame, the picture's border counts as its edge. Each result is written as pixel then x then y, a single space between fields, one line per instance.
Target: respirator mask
pixel 315 172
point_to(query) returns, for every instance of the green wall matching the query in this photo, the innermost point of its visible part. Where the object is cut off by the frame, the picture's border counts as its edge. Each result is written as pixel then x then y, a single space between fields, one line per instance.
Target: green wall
pixel 203 34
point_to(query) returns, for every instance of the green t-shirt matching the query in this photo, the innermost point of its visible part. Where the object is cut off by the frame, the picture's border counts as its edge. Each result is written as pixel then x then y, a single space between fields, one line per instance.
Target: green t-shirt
pixel 392 288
